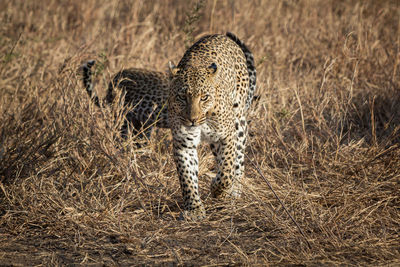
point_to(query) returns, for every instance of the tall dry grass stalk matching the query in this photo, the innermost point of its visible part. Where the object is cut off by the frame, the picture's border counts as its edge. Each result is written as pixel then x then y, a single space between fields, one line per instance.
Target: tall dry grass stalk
pixel 324 132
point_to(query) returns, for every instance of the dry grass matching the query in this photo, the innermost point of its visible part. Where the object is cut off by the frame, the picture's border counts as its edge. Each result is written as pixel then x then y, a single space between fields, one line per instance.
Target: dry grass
pixel 325 133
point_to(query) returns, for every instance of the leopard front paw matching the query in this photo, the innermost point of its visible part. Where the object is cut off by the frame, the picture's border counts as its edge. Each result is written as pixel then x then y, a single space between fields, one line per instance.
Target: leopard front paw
pixel 193 214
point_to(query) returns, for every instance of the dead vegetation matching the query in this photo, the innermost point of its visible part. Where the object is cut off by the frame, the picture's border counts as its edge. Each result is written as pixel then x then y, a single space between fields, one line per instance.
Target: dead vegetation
pixel 325 133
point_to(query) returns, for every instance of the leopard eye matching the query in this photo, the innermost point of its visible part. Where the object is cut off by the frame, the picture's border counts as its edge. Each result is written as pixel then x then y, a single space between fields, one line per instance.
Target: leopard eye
pixel 213 68
pixel 204 98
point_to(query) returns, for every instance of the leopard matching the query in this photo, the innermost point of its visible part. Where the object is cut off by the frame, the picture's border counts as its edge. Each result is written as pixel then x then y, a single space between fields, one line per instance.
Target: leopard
pixel 211 91
pixel 206 97
pixel 145 93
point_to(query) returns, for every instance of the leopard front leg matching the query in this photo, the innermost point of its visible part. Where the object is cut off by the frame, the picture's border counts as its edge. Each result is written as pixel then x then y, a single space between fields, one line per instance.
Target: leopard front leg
pixel 225 151
pixel 241 133
pixel 186 159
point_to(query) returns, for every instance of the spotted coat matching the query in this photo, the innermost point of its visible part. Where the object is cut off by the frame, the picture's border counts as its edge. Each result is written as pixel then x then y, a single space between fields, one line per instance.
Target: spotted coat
pixel 211 91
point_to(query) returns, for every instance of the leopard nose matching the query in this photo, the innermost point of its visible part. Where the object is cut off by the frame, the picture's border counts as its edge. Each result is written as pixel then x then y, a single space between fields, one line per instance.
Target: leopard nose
pixel 192 122
pixel 193 119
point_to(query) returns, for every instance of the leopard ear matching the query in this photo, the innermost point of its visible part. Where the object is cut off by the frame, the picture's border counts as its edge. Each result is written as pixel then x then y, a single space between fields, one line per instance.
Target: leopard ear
pixel 212 69
pixel 173 70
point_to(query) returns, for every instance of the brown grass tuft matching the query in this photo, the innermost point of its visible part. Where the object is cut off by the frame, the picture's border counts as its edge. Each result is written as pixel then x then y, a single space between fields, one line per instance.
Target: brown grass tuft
pixel 325 133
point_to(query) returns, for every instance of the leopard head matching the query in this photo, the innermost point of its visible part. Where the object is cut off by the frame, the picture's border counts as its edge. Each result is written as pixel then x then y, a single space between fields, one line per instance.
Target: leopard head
pixel 192 94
